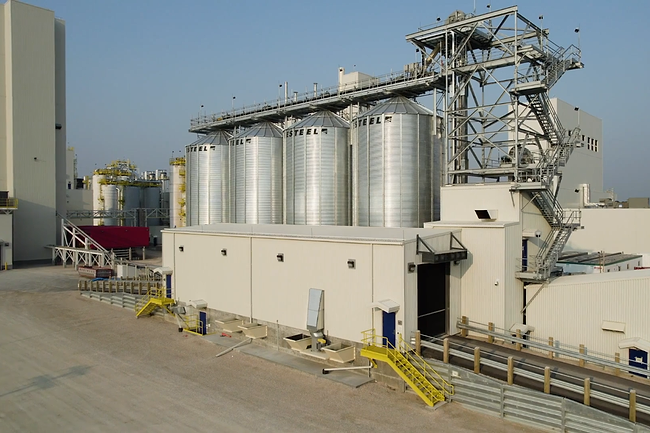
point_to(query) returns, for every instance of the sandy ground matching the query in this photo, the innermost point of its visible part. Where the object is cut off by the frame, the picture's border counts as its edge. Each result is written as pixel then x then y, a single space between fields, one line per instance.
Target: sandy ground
pixel 68 363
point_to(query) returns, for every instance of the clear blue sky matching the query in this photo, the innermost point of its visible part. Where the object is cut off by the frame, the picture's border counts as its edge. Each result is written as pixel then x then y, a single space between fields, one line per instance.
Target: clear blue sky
pixel 138 70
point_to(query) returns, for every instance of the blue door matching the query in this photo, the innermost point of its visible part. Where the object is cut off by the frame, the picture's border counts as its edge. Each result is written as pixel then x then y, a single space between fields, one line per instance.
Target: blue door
pixel 168 284
pixel 203 322
pixel 524 255
pixel 389 327
pixel 639 358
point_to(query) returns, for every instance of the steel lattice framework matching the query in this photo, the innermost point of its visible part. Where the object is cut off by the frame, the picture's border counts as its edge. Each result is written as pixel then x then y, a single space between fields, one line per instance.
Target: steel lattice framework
pixel 498 68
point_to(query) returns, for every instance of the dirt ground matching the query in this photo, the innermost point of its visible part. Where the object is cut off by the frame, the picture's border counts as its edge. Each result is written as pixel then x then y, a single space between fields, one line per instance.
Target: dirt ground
pixel 68 363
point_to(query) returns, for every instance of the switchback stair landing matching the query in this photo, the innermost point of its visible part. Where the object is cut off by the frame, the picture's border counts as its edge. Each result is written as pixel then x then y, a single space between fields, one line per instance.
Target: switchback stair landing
pixel 156 298
pixel 417 373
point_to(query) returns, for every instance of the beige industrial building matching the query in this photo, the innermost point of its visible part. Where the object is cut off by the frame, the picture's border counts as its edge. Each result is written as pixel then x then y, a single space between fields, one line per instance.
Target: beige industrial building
pixel 32 130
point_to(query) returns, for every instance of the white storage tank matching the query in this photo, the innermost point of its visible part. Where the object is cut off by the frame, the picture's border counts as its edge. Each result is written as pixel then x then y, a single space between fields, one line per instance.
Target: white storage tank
pixel 392 165
pixel 151 200
pixel 105 198
pixel 177 192
pixel 208 179
pixel 256 166
pixel 316 165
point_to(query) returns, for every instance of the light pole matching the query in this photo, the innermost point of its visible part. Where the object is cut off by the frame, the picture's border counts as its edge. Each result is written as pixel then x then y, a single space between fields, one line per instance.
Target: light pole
pixel 233 103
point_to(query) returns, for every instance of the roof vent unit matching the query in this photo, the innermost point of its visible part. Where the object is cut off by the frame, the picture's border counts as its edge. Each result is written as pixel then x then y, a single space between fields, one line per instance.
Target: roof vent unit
pixel 486 214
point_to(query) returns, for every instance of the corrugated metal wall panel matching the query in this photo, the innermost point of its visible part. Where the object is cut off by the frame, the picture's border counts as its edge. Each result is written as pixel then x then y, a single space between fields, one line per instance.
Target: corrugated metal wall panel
pixel 481 299
pixel 572 313
pixel 514 288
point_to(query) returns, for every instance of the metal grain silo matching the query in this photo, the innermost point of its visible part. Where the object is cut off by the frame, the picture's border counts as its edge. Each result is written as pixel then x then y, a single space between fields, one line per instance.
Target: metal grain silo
pixel 392 165
pixel 208 179
pixel 256 161
pixel 105 198
pixel 316 171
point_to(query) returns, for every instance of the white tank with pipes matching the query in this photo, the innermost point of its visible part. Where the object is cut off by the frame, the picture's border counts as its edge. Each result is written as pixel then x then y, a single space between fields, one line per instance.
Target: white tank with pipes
pixel 177 192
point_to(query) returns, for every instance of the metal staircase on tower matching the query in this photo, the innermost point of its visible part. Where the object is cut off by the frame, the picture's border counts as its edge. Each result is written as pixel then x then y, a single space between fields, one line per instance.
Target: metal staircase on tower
pixel 414 370
pixel 498 122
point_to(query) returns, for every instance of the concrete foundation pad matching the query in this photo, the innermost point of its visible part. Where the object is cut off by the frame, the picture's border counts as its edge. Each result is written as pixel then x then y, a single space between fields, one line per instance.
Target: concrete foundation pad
pixel 349 378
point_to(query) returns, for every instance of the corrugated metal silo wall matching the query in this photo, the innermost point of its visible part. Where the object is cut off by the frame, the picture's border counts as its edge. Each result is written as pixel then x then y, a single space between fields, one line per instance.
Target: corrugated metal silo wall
pixel 257 180
pixel 317 176
pixel 392 172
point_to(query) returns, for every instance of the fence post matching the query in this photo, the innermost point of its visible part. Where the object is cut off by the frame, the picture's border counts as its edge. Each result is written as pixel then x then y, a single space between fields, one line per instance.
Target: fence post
pixel 582 352
pixel 633 405
pixel 617 359
pixel 511 370
pixel 518 345
pixel 491 329
pixel 547 380
pixel 587 392
pixel 418 342
pixel 552 344
pixel 463 332
pixel 445 351
pixel 477 360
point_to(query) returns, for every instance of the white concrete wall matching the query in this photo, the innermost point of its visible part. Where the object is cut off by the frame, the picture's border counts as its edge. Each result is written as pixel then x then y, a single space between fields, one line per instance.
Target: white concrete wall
pixel 613 230
pixel 28 131
pixel 586 162
pixel 251 282
pixel 571 309
pixel 458 202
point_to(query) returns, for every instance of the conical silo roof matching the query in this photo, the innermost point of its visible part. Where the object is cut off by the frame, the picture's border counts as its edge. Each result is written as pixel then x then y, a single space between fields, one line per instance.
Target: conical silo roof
pixel 323 118
pixel 264 129
pixel 215 138
pixel 397 105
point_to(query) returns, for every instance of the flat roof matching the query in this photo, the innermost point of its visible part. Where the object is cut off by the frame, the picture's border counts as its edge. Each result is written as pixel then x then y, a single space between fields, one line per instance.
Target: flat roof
pixel 601 277
pixel 595 259
pixel 383 234
pixel 472 224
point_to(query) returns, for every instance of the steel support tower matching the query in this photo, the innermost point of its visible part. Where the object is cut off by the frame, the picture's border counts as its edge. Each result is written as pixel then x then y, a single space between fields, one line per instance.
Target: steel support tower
pixel 499 124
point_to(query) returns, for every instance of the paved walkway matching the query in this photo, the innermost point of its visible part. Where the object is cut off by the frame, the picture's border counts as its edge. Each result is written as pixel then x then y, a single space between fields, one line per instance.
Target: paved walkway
pixel 350 378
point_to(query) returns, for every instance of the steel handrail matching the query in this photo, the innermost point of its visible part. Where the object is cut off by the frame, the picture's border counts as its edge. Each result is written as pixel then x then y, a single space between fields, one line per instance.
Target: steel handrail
pixel 568 353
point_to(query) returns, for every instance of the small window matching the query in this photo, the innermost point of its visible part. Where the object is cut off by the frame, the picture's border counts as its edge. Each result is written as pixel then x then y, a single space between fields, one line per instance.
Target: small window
pixel 583 137
pixel 308 131
pixel 589 140
pixel 628 266
pixel 302 131
pixel 618 267
pixel 324 130
pixel 388 119
pixel 569 133
pixel 372 120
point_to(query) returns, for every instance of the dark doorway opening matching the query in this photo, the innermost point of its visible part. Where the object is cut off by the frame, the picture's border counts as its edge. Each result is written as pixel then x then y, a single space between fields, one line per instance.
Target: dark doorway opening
pixel 433 299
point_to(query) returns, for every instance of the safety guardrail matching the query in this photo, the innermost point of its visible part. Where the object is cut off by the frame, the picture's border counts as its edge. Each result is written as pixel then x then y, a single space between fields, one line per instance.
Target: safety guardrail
pixel 548 385
pixel 9 203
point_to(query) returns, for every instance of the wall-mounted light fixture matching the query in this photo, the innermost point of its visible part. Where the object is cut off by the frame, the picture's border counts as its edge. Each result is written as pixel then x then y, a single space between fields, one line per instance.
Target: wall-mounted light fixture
pixel 181 248
pixel 411 267
pixel 352 263
pixel 224 252
pixel 280 257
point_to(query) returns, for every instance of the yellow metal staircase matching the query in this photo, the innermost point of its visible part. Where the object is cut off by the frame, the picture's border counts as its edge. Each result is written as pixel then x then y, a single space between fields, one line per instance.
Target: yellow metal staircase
pixel 156 297
pixel 419 375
